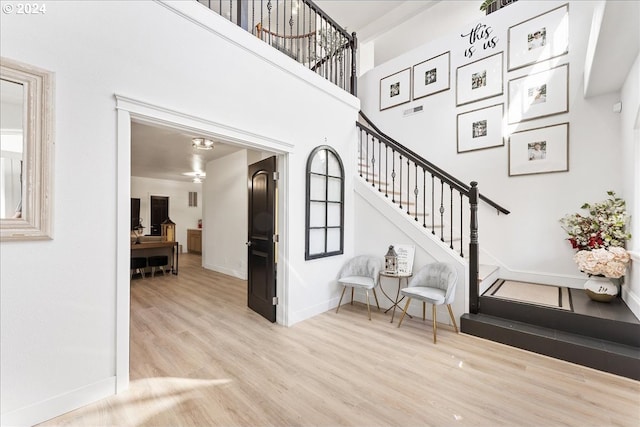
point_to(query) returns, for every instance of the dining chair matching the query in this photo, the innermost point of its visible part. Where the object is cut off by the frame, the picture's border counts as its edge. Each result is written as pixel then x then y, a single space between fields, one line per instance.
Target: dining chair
pixel 434 283
pixel 360 272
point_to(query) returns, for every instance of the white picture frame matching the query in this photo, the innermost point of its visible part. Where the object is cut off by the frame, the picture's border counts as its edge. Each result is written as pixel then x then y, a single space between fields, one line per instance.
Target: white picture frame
pixel 34 220
pixel 395 89
pixel 480 79
pixel 541 94
pixel 539 150
pixel 480 129
pixel 539 38
pixel 432 76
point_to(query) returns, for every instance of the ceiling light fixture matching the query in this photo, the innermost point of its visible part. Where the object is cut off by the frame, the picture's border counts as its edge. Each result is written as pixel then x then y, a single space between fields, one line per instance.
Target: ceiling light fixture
pixel 202 143
pixel 197 179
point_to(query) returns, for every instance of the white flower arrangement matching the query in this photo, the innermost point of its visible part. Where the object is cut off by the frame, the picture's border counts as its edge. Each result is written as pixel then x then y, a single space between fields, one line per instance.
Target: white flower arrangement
pixel 611 262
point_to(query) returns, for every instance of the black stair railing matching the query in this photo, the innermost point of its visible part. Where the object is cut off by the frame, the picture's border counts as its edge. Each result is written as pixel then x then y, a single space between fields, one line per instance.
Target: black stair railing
pixel 438 201
pixel 299 29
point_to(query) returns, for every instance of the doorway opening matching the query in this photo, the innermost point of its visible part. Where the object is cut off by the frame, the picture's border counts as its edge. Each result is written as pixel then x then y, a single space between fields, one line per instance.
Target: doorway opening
pixel 159 213
pixel 131 112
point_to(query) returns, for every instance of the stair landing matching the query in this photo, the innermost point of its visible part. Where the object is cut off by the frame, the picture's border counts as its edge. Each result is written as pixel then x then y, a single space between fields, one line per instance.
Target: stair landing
pixel 603 336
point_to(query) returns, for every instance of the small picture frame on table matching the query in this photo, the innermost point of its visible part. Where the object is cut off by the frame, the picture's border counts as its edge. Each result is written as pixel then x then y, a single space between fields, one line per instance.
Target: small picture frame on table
pixel 539 150
pixel 480 129
pixel 539 95
pixel 480 79
pixel 431 76
pixel 538 39
pixel 395 89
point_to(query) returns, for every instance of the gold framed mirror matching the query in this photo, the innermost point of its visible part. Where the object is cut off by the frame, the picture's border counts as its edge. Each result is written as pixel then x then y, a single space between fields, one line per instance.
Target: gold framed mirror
pixel 26 151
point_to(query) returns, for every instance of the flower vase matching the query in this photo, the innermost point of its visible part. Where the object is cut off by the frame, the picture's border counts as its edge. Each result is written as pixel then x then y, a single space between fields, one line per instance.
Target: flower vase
pixel 600 288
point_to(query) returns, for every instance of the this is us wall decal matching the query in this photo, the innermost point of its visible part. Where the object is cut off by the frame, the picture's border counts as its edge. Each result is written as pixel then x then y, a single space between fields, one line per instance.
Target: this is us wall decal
pixel 479 38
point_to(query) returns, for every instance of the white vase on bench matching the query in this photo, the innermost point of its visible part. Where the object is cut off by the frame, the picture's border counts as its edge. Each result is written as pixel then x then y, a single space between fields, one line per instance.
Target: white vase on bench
pixel 600 288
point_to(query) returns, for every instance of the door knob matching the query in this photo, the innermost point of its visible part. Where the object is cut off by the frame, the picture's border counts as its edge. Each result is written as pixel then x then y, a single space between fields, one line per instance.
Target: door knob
pixel 248 243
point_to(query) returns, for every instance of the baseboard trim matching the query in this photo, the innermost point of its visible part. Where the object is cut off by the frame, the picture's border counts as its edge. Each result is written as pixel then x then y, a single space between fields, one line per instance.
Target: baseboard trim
pixel 228 271
pixel 61 404
pixel 312 311
pixel 632 300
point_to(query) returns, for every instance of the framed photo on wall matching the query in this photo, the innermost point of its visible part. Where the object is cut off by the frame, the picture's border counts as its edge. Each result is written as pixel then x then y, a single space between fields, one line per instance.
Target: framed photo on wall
pixel 480 79
pixel 540 38
pixel 539 95
pixel 431 76
pixel 480 129
pixel 540 150
pixel 395 89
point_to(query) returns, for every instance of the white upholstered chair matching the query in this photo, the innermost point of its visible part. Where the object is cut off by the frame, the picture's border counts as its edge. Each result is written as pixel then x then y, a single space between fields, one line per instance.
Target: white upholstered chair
pixel 360 272
pixel 434 283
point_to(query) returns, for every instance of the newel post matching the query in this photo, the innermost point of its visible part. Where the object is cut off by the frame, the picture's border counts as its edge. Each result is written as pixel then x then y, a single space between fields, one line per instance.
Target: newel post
pixel 473 249
pixel 354 71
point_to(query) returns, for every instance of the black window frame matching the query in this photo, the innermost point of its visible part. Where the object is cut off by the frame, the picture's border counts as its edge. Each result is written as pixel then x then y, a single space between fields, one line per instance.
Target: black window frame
pixel 309 173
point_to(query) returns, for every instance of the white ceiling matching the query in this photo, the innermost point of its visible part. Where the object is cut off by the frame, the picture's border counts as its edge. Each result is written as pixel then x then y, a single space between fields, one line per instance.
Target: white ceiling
pixel 165 153
pixel 371 18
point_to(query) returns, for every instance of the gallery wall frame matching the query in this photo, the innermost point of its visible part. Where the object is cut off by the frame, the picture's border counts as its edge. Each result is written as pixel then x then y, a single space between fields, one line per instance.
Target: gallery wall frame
pixel 480 129
pixel 538 39
pixel 539 150
pixel 541 94
pixel 395 89
pixel 432 76
pixel 480 79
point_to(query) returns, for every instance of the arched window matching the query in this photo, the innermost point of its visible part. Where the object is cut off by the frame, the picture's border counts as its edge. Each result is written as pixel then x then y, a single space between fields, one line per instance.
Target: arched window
pixel 325 204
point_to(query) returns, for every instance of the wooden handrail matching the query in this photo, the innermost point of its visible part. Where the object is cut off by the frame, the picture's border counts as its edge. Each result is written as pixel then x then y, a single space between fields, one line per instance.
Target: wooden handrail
pixel 260 29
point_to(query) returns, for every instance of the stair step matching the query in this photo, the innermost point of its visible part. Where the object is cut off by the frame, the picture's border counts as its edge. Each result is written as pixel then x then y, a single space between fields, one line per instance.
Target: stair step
pixel 608 356
pixel 484 271
pixel 611 321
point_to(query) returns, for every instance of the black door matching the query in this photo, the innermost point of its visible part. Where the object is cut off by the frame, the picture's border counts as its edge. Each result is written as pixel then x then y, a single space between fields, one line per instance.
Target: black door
pixel 159 213
pixel 261 248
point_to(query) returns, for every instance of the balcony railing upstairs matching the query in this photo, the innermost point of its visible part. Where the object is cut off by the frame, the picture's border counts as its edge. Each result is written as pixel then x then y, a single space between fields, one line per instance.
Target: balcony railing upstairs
pixel 299 29
pixel 442 204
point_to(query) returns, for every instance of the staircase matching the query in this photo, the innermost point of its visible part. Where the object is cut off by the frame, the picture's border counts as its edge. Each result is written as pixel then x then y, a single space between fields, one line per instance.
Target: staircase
pixel 601 336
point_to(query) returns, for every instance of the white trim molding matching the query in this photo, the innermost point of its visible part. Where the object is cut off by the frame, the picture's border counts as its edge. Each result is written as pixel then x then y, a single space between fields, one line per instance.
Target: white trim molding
pixel 129 109
pixel 629 292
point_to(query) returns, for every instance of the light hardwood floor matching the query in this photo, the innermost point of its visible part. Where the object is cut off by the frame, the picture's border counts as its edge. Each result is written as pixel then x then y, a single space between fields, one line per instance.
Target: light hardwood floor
pixel 200 357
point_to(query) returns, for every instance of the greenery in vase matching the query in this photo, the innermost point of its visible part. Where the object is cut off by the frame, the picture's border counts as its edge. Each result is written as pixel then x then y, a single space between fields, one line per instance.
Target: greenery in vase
pixel 603 227
pixel 485 4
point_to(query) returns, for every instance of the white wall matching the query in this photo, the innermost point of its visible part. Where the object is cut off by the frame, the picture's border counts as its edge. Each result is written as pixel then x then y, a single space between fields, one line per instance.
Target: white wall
pixel 225 223
pixel 528 242
pixel 439 19
pixel 179 211
pixel 58 321
pixel 630 124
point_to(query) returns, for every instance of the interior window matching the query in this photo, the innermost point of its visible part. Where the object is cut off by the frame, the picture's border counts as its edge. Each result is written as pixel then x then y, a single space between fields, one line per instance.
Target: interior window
pixel 325 204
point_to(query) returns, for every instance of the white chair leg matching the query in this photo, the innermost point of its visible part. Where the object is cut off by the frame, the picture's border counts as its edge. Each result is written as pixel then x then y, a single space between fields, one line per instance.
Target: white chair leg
pixel 434 322
pixel 404 312
pixel 453 319
pixel 368 307
pixel 344 288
